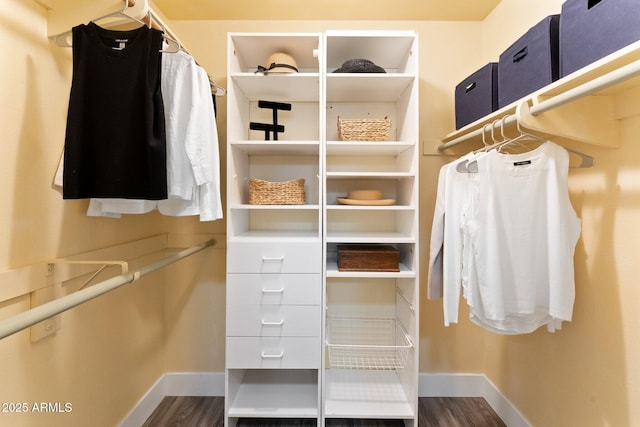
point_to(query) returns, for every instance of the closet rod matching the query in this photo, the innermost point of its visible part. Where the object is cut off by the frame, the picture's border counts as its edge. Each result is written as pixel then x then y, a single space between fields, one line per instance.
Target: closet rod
pixel 42 312
pixel 612 78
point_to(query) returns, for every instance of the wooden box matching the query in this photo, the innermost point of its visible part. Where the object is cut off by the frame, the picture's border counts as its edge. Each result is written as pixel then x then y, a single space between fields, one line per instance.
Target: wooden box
pixel 356 257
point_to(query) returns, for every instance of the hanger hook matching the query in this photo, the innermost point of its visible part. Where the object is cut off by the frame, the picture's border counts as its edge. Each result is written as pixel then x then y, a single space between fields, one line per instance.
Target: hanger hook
pixel 493 127
pixel 484 130
pixel 504 136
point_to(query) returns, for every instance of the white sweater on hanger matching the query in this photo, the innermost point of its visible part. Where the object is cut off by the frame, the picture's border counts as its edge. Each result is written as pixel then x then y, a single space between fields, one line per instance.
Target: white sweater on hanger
pixel 506 236
pixel 523 234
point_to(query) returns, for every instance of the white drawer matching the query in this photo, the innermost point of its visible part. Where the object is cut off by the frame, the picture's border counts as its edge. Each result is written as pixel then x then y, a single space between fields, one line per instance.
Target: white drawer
pixel 274 257
pixel 273 353
pixel 273 320
pixel 294 289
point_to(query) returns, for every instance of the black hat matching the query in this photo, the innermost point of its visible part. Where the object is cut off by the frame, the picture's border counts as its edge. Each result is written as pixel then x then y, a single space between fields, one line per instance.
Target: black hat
pixel 359 66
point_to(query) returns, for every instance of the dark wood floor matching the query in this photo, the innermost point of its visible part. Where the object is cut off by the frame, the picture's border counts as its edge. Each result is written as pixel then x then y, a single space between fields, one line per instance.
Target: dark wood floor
pixel 433 412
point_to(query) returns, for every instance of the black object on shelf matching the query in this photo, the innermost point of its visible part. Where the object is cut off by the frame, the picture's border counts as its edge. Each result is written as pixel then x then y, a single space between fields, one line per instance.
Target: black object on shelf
pixel 274 127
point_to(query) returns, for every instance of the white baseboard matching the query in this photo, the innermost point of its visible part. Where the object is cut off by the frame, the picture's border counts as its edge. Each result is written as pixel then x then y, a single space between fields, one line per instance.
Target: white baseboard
pixel 471 385
pixel 430 385
pixel 174 384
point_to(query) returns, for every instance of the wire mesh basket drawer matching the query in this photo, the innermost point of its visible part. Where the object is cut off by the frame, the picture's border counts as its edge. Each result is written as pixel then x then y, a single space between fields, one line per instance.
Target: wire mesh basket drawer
pixel 366 343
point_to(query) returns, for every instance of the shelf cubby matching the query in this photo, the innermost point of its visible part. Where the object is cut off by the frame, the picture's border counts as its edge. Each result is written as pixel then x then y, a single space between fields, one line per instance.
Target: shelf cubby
pixel 378 379
pixel 273 339
pixel 268 393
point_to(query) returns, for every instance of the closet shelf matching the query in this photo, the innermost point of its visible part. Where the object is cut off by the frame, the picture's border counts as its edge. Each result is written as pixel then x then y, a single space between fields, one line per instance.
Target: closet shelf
pixel 158 259
pixel 366 394
pixel 292 394
pixel 278 147
pixel 585 106
pixel 368 237
pixel 276 207
pixel 405 272
pixel 367 88
pixel 358 148
pixel 369 175
pixel 395 207
pixel 294 87
pixel 257 236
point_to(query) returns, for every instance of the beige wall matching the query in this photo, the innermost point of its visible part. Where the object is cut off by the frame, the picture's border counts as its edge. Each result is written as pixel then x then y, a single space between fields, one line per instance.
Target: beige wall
pixel 110 351
pixel 586 374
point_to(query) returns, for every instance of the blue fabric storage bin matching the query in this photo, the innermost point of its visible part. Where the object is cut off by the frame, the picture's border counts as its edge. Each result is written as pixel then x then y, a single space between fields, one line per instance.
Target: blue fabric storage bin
pixel 477 95
pixel 592 29
pixel 530 63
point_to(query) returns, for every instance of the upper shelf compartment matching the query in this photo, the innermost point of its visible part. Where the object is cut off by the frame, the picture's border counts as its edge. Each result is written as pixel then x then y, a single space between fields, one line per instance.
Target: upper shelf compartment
pixel 584 107
pixel 251 50
pixel 393 51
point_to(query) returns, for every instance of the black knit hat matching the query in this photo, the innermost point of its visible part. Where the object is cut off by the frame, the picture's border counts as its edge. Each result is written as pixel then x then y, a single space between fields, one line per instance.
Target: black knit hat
pixel 359 66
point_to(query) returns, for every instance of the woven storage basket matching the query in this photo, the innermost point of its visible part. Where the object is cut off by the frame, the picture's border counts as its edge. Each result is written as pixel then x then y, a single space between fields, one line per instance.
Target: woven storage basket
pixel 276 193
pixel 364 129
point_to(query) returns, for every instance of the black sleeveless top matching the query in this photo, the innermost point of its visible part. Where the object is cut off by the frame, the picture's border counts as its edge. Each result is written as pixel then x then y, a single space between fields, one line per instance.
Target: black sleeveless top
pixel 115 143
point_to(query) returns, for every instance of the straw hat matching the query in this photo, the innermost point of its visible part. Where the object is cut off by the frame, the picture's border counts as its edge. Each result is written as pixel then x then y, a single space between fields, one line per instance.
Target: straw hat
pixel 365 198
pixel 280 62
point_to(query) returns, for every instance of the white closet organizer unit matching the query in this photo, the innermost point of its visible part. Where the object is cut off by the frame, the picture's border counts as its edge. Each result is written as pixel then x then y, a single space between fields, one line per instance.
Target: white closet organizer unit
pixel 274 255
pixel 371 318
pixel 305 340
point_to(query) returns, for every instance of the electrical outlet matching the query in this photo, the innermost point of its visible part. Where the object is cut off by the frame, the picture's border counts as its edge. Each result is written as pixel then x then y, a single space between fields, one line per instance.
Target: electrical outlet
pixel 51 325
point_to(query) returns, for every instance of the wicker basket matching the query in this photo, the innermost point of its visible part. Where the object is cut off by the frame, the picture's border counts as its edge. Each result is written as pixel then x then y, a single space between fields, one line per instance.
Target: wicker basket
pixel 276 193
pixel 364 129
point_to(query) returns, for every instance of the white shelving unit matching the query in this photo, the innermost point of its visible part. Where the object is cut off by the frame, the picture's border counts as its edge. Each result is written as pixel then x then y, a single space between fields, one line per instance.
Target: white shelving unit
pixel 283 283
pixel 274 252
pixel 371 318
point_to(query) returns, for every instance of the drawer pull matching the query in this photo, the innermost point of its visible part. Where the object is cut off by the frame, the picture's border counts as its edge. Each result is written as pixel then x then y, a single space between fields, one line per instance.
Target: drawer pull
pixel 268 323
pixel 272 291
pixel 272 356
pixel 273 259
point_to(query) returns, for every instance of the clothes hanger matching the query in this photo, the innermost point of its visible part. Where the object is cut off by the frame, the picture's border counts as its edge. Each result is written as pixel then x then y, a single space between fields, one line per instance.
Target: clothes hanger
pixel 173 45
pixel 65 40
pixel 462 166
pixel 586 161
pixel 519 140
pixel 523 136
pixel 217 90
pixel 471 166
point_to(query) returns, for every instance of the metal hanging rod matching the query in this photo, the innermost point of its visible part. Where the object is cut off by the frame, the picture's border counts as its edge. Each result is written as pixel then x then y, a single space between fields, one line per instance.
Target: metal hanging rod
pixel 38 314
pixel 612 78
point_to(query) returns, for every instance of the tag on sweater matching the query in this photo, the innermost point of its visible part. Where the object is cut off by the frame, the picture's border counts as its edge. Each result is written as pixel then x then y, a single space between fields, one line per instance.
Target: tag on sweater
pixel 122 43
pixel 522 163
